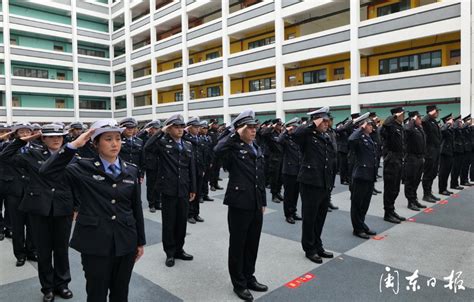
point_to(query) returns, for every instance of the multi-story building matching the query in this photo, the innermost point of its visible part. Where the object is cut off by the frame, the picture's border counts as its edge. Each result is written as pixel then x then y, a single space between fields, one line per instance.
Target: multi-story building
pixel 77 59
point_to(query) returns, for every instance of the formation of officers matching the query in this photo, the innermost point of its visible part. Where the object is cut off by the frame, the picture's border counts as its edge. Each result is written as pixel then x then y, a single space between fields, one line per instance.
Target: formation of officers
pixel 51 176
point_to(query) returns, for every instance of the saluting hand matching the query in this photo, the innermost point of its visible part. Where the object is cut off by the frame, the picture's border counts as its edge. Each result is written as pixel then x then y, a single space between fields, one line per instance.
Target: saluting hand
pixel 241 130
pixel 5 136
pixel 83 138
pixel 32 137
pixel 318 121
pixel 165 128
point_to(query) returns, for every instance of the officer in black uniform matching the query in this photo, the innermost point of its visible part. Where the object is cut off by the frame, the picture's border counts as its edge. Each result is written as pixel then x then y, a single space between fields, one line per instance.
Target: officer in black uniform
pixel 315 178
pixel 375 136
pixel 458 148
pixel 216 164
pixel 350 156
pixel 433 151
pixel 15 180
pixel 393 152
pixel 342 136
pixel 5 223
pixel 415 140
pixel 50 207
pixel 447 153
pixel 270 135
pixel 176 182
pixel 151 166
pixel 246 201
pixel 364 174
pixel 208 147
pixel 332 135
pixel 291 167
pixel 132 146
pixel 468 147
pixel 75 129
pixel 191 135
pixel 109 232
pixel 262 142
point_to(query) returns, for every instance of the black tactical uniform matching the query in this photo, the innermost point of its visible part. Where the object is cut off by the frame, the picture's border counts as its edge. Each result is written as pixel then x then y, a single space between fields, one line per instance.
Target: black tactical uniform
pixel 151 167
pixel 446 158
pixel 342 135
pixel 275 150
pixel 458 148
pixel 433 151
pixel 468 147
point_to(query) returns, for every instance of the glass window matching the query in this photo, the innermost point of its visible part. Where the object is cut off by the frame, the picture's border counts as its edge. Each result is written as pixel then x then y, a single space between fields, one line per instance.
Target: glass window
pixel 58 48
pixel 425 60
pixel 13 41
pixel 262 42
pixel 213 91
pixel 414 62
pixel 212 55
pixel 316 76
pixel 383 66
pixel 339 71
pixel 404 63
pixel 177 64
pixel 393 65
pixel 178 96
pixel 436 59
pixel 322 76
pixel 455 53
pixel 254 85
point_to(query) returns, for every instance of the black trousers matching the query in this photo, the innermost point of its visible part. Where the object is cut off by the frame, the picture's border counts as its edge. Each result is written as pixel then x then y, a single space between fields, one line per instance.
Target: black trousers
pixel 22 237
pixel 315 203
pixel 5 222
pixel 343 166
pixel 174 213
pixel 245 228
pixel 266 168
pixel 275 175
pixel 51 236
pixel 194 206
pixel 152 194
pixel 430 171
pixel 214 175
pixel 107 275
pixel 471 170
pixel 466 162
pixel 291 193
pixel 445 167
pixel 392 176
pixel 360 201
pixel 205 183
pixel 413 171
pixel 456 170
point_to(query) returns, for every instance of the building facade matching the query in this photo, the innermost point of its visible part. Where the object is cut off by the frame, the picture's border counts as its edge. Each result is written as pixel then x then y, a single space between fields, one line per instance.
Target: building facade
pixel 85 60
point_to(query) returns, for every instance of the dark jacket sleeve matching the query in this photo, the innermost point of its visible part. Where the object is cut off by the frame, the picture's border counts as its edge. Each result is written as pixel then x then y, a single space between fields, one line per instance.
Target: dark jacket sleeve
pixel 223 145
pixel 9 154
pixel 138 214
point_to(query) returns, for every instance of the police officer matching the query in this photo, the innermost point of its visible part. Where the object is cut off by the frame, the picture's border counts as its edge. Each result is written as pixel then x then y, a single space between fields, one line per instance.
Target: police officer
pixel 350 156
pixel 375 136
pixel 132 146
pixel 15 178
pixel 315 178
pixel 275 150
pixel 458 149
pixel 364 174
pixel 216 165
pixel 415 140
pixel 208 146
pixel 151 166
pixel 447 152
pixel 109 232
pixel 342 136
pixel 393 152
pixel 290 169
pixel 332 135
pixel 433 150
pixel 191 135
pixel 176 182
pixel 5 223
pixel 246 201
pixel 49 205
pixel 468 147
pixel 75 129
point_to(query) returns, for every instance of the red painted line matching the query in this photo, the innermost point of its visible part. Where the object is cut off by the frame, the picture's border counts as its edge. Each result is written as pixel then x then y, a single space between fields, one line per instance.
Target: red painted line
pixel 443 202
pixel 378 237
pixel 411 219
pixel 428 210
pixel 455 195
pixel 300 280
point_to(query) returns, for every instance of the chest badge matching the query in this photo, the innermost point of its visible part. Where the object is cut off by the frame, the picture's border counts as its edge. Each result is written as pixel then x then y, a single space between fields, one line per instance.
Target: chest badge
pixel 98 177
pixel 127 181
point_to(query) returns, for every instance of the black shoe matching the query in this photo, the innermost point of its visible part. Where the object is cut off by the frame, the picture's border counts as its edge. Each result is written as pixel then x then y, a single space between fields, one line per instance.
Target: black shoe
pixel 398 216
pixel 219 187
pixel 258 287
pixel 48 297
pixel 275 199
pixel 445 193
pixel 20 262
pixel 152 210
pixel 413 207
pixel 184 256
pixel 213 188
pixel 435 198
pixel 201 200
pixel 329 210
pixel 198 218
pixel 391 219
pixel 315 258
pixel 361 235
pixel 64 293
pixel 450 192
pixel 333 207
pixel 243 294
pixel 192 220
pixel 32 257
pixel 345 183
pixel 169 262
pixel 457 188
pixel 466 184
pixel 370 233
pixel 296 217
pixel 428 199
pixel 278 195
pixel 290 220
pixel 377 191
pixel 2 236
pixel 219 179
pixel 421 206
pixel 324 254
pixel 207 198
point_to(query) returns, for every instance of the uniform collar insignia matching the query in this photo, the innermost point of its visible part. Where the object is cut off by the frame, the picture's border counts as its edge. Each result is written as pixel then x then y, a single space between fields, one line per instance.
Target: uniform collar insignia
pixel 98 177
pixel 61 151
pixel 97 164
pixel 45 152
pixel 169 146
pixel 127 181
pixel 243 151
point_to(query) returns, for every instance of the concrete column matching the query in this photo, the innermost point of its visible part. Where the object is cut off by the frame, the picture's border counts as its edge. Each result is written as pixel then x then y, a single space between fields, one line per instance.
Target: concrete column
pixel 111 56
pixel 185 58
pixel 75 63
pixel 128 52
pixel 225 55
pixel 7 62
pixel 466 58
pixel 355 54
pixel 279 68
pixel 154 92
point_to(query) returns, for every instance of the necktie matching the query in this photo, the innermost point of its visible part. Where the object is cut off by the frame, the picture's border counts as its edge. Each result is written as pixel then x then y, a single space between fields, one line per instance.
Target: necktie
pixel 114 170
pixel 253 149
pixel 180 146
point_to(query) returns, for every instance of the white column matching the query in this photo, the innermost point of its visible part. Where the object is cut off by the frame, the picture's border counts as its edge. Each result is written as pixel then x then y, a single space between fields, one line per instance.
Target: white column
pixel 466 62
pixel 225 55
pixel 154 92
pixel 75 68
pixel 355 54
pixel 279 68
pixel 128 53
pixel 185 58
pixel 111 56
pixel 8 73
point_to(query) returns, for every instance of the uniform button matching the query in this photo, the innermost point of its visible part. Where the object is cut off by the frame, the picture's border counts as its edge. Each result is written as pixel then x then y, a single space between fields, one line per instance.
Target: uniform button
pixel 114 185
pixel 236 188
pixel 113 201
pixel 113 217
pixel 23 176
pixel 53 189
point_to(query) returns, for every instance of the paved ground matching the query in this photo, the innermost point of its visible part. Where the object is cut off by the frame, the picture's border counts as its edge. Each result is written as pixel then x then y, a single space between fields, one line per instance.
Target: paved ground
pixel 433 244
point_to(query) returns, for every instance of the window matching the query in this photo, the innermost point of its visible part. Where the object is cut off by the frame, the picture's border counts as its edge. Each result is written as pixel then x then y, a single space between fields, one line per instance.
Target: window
pixel 393 8
pixel 455 53
pixel 60 103
pixel 31 73
pixel 213 91
pixel 92 104
pixel 61 76
pixel 315 76
pixel 91 52
pixel 178 64
pixel 262 42
pixel 411 62
pixel 16 101
pixel 339 73
pixel 212 55
pixel 435 59
pixel 192 95
pixel 13 41
pixel 178 96
pixel 58 48
pixel 262 84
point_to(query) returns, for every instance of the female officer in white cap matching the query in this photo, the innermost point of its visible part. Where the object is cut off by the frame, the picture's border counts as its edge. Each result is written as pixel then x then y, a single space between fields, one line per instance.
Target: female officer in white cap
pixel 109 232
